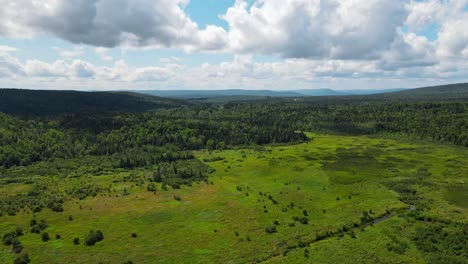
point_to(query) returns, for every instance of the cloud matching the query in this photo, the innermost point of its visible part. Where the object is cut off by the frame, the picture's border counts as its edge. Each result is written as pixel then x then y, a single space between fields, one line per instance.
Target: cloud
pixel 40 69
pixel 4 48
pixel 102 53
pixel 242 72
pixel 10 67
pixel 109 23
pixel 336 29
pixel 409 50
pixel 453 38
pixel 430 12
pixel 316 29
pixel 312 29
pixel 75 52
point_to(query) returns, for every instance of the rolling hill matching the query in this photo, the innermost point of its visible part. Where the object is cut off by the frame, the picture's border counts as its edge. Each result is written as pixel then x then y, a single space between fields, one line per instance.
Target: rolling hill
pixel 30 103
pixel 449 91
pixel 257 94
pixel 203 94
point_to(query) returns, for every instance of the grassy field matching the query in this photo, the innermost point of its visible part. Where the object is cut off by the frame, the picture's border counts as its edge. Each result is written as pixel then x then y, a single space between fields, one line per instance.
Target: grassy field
pixel 335 199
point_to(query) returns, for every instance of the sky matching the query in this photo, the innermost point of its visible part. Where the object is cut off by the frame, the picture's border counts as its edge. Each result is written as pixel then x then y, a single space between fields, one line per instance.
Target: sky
pixel 232 44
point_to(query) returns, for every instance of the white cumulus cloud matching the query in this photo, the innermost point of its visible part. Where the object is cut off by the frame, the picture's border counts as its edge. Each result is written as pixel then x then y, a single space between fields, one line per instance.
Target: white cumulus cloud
pixel 344 29
pixel 109 23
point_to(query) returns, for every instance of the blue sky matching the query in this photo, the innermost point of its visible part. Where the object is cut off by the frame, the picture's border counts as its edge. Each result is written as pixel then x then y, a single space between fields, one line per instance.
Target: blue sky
pixel 264 44
pixel 207 12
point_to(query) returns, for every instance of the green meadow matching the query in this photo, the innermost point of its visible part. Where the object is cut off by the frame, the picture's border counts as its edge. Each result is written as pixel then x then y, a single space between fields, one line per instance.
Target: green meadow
pixel 334 199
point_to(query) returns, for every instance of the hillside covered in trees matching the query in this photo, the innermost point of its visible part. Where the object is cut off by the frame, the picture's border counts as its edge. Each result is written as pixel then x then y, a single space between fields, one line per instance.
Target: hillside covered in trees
pixel 34 103
pixel 109 123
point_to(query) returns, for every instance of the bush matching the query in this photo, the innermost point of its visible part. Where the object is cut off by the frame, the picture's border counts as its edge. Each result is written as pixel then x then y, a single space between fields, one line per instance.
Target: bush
pixel 36 209
pixel 38 227
pixel 19 231
pixel 134 235
pixel 45 237
pixel 271 230
pixel 57 207
pixel 76 241
pixel 17 247
pixel 24 259
pixel 57 236
pixel 10 238
pixel 151 187
pixel 303 220
pixel 93 237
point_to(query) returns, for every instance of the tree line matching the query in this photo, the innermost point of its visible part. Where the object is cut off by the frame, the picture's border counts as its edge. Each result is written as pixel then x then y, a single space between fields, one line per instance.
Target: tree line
pixel 168 134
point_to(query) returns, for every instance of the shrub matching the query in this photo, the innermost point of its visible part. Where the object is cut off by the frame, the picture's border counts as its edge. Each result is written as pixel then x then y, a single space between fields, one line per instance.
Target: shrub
pixel 76 241
pixel 38 227
pixel 271 230
pixel 10 238
pixel 45 237
pixel 57 207
pixel 19 231
pixel 93 237
pixel 134 235
pixel 36 209
pixel 58 236
pixel 17 247
pixel 303 220
pixel 24 259
pixel 151 187
pixel 366 217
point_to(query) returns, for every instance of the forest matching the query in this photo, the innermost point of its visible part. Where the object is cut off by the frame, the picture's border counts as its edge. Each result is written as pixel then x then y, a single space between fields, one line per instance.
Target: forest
pixel 222 125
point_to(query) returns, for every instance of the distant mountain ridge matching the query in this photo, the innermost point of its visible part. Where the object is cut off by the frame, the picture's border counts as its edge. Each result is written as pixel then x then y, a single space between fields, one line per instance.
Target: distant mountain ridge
pixel 31 103
pixel 448 91
pixel 200 94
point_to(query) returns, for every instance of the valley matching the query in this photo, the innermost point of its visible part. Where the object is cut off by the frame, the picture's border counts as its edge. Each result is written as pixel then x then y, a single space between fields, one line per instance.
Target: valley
pixel 273 204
